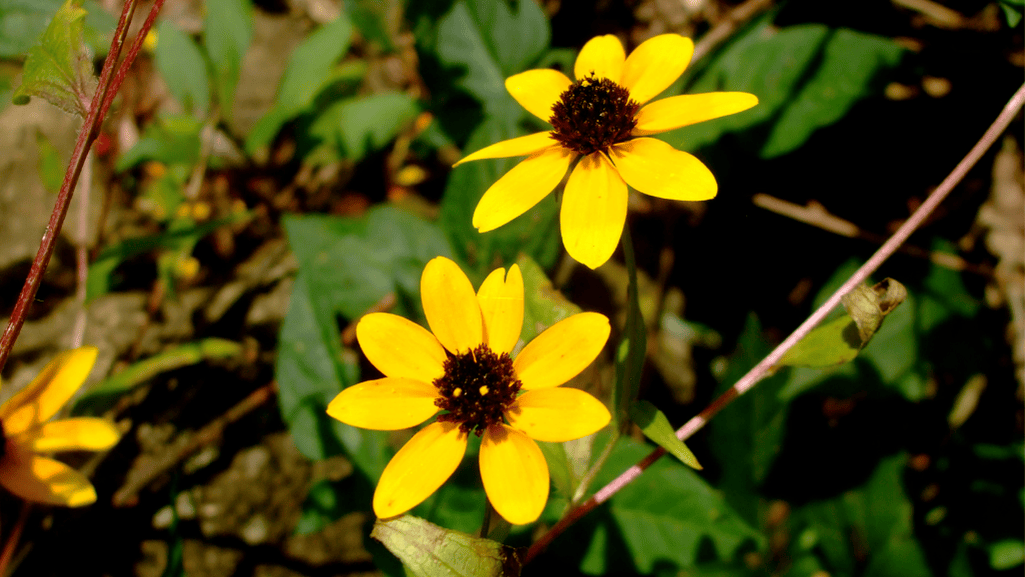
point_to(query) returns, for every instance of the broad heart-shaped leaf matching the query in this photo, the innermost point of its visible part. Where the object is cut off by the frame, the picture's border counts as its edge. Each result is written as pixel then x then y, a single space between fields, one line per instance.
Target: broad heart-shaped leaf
pixel 747 435
pixel 806 77
pixel 227 31
pixel 873 521
pixel 182 67
pixel 428 550
pixel 535 233
pixel 308 71
pixel 59 68
pixel 656 427
pixel 346 266
pixel 839 341
pixel 661 518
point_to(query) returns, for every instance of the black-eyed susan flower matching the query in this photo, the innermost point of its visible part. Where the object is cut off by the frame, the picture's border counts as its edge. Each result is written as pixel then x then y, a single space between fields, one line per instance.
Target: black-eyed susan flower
pixel 464 370
pixel 28 436
pixel 602 120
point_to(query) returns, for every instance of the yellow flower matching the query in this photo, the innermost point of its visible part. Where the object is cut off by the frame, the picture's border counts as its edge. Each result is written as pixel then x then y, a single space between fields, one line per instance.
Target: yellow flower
pixel 26 433
pixel 600 120
pixel 464 369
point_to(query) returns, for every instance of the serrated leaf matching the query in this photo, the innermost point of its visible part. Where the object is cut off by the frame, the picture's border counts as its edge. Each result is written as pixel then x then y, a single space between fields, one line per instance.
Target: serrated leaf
pixel 228 29
pixel 308 71
pixel 428 550
pixel 59 68
pixel 656 427
pixel 839 341
pixel 183 68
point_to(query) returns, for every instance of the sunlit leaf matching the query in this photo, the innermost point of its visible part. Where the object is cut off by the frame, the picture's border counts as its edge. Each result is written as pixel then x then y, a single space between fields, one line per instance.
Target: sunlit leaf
pixel 59 68
pixel 656 427
pixel 428 550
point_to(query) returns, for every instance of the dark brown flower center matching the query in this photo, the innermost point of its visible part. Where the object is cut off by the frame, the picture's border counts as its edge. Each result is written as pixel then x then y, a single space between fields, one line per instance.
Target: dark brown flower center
pixel 476 387
pixel 592 115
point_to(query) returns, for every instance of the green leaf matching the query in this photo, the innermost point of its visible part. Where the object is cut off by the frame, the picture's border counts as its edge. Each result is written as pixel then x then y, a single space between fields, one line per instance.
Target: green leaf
pixel 1012 11
pixel 59 68
pixel 839 340
pixel 428 550
pixel 488 41
pixel 105 394
pixel 535 233
pixel 346 266
pixel 21 23
pixel 173 139
pixel 656 427
pixel 747 435
pixel 1006 554
pixel 371 18
pixel 181 64
pixel 662 518
pixel 228 29
pixel 806 77
pixel 632 350
pixel 309 70
pixel 543 306
pixel 361 125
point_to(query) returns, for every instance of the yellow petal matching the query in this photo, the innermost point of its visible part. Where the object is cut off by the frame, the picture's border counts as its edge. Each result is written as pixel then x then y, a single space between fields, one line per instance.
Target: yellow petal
pixel 43 480
pixel 48 392
pixel 514 473
pixel 520 146
pixel 686 109
pixel 450 305
pixel 602 55
pixel 501 305
pixel 557 414
pixel 656 64
pixel 538 90
pixel 656 168
pixel 419 468
pixel 521 188
pixel 562 351
pixel 386 404
pixel 593 210
pixel 77 434
pixel 400 348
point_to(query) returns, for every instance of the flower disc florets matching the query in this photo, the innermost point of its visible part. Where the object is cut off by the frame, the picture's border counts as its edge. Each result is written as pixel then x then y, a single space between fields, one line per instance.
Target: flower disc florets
pixel 592 115
pixel 476 387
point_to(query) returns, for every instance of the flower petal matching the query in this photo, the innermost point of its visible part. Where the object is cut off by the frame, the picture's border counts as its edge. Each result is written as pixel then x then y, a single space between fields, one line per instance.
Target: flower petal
pixel 419 468
pixel 557 414
pixel 400 348
pixel 501 304
pixel 562 351
pixel 519 146
pixel 48 392
pixel 514 473
pixel 656 168
pixel 77 434
pixel 656 64
pixel 538 90
pixel 450 305
pixel 521 188
pixel 43 480
pixel 388 404
pixel 602 55
pixel 686 109
pixel 593 210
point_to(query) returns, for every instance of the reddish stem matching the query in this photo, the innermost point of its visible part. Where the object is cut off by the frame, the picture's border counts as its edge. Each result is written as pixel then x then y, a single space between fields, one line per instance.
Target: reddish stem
pixel 107 87
pixel 761 370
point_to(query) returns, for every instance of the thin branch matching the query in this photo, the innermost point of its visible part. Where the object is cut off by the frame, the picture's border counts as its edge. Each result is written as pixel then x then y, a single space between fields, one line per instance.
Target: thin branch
pixel 761 370
pixel 107 87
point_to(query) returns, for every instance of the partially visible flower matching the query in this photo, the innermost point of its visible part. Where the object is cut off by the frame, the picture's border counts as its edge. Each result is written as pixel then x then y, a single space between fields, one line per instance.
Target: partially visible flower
pixel 600 120
pixel 465 370
pixel 26 435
